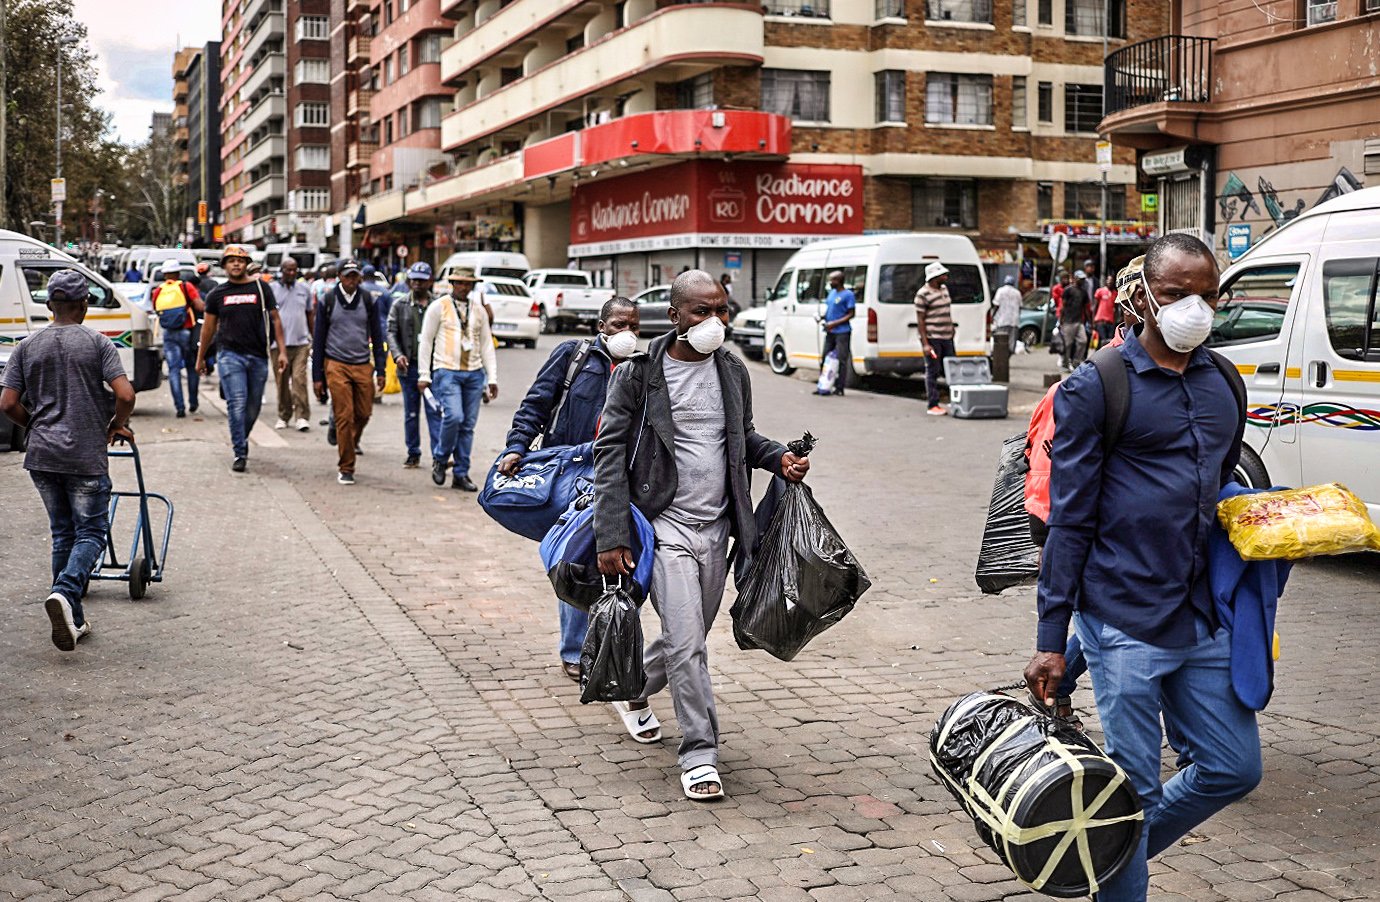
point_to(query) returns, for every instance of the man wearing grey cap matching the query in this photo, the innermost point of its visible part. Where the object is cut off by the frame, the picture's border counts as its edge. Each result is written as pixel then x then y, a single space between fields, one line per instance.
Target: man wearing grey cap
pixel 348 333
pixel 54 387
pixel 404 332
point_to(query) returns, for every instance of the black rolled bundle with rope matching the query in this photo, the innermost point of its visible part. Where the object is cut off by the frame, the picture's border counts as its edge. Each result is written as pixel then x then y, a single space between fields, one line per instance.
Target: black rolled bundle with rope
pixel 1060 813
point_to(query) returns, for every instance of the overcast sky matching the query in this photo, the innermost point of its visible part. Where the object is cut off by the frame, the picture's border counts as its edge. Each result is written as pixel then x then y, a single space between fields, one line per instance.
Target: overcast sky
pixel 134 42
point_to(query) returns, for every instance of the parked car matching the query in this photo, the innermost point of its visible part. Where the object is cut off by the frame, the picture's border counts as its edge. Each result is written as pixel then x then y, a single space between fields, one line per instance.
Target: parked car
pixel 1300 317
pixel 567 297
pixel 750 332
pixel 516 320
pixel 1037 317
pixel 652 304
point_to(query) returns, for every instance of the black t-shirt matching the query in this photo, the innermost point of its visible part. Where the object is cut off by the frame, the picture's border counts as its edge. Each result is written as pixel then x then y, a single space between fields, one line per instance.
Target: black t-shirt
pixel 241 310
pixel 1075 304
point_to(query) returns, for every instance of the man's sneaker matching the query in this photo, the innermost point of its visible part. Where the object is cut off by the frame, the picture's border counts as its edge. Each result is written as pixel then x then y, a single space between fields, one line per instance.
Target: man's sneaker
pixel 938 410
pixel 239 465
pixel 302 425
pixel 65 631
pixel 438 472
pixel 346 479
pixel 281 424
pixel 412 461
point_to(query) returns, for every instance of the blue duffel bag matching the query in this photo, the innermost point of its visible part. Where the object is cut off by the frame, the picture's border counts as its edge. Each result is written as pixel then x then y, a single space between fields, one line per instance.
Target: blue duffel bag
pixel 570 555
pixel 549 479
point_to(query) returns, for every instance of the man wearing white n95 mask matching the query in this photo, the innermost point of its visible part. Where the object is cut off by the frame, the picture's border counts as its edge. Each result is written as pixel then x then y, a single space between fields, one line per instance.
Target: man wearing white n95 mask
pixel 563 407
pixel 676 440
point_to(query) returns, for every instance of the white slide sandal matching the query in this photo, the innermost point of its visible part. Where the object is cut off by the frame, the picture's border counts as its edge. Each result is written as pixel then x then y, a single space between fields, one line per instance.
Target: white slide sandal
pixel 638 722
pixel 705 773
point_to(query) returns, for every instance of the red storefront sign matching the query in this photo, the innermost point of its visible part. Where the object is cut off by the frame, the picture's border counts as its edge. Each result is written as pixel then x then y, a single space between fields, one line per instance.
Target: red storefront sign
pixel 716 204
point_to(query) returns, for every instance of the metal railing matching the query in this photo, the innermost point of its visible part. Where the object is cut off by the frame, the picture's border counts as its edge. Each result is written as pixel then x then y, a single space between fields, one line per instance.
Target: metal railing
pixel 1174 68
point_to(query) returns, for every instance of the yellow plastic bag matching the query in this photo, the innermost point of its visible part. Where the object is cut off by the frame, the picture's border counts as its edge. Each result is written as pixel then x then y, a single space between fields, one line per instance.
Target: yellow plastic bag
pixel 1297 523
pixel 390 384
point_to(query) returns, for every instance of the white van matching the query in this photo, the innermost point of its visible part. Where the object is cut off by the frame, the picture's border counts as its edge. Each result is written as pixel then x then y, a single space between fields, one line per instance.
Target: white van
pixel 25 265
pixel 1300 319
pixel 486 263
pixel 884 272
pixel 308 256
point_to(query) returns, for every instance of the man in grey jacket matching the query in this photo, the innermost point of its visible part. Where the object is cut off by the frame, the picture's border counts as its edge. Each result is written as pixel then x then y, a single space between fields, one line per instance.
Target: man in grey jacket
pixel 404 334
pixel 677 439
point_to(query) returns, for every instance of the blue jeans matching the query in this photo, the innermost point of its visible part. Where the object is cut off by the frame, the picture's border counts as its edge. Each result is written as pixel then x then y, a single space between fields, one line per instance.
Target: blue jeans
pixel 412 405
pixel 574 625
pixel 1134 683
pixel 243 377
pixel 177 351
pixel 79 517
pixel 459 395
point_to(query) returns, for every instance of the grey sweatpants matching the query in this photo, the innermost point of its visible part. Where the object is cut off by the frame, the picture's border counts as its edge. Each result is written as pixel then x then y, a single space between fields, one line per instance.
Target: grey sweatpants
pixel 687 587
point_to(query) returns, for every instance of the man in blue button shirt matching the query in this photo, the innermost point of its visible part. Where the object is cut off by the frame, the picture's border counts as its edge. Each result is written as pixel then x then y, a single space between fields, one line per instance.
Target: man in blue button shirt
pixel 1126 558
pixel 839 307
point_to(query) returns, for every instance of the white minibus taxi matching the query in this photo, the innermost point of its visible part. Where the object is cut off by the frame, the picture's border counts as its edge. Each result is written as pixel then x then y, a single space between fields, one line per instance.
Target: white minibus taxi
pixel 884 272
pixel 1300 319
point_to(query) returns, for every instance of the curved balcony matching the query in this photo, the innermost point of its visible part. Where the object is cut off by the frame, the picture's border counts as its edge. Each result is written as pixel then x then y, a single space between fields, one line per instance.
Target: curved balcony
pixel 709 33
pixel 266 149
pixel 274 65
pixel 1157 86
pixel 271 27
pixel 269 188
pixel 500 31
pixel 272 106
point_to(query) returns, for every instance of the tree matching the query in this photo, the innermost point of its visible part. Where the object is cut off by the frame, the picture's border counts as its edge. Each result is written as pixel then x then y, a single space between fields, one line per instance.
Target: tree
pixel 152 200
pixel 33 28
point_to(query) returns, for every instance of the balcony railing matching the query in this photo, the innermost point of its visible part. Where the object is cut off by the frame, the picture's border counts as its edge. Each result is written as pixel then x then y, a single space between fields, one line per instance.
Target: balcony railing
pixel 1174 68
pixel 808 9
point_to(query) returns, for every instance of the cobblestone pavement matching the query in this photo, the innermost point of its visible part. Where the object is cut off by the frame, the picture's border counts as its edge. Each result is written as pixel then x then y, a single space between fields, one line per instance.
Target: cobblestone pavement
pixel 354 693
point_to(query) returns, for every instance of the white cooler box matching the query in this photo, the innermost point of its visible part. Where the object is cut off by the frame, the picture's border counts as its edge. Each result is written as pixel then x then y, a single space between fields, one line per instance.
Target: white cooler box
pixel 972 393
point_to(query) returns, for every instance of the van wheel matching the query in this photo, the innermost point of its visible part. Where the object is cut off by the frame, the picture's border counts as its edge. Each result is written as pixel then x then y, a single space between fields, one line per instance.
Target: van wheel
pixel 1030 336
pixel 1250 472
pixel 780 363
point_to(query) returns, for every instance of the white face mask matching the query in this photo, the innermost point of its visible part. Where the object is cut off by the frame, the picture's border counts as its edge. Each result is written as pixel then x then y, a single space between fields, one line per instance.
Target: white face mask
pixel 706 336
pixel 621 345
pixel 1185 324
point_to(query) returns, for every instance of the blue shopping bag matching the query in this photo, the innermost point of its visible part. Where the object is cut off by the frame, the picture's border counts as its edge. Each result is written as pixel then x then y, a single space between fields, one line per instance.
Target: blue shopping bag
pixel 530 502
pixel 570 557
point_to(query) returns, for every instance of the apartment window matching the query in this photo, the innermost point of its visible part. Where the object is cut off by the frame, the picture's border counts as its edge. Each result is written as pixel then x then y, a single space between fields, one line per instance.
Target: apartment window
pixel 313 114
pixel 574 42
pixel 1044 200
pixel 890 9
pixel 1018 13
pixel 891 96
pixel 403 66
pixel 428 113
pixel 1045 92
pixel 958 11
pixel 311 200
pixel 695 93
pixel 1371 6
pixel 313 156
pixel 958 99
pixel 387 129
pixel 1084 17
pixel 402 122
pixel 1082 107
pixel 1321 12
pixel 509 74
pixel 1045 12
pixel 387 13
pixel 313 71
pixel 944 203
pixel 810 9
pixel 428 49
pixel 312 28
pixel 1083 200
pixel 803 95
pixel 1020 105
pixel 388 71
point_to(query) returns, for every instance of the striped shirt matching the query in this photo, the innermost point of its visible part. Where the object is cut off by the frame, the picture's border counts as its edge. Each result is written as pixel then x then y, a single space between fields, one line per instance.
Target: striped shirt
pixel 456 337
pixel 935 304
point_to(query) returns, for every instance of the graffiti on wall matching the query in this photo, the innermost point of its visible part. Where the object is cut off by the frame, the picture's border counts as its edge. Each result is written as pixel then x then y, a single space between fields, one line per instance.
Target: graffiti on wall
pixel 1237 201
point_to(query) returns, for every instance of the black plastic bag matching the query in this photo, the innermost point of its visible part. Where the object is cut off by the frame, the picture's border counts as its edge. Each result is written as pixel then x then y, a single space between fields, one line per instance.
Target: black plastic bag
pixel 803 580
pixel 611 659
pixel 1008 556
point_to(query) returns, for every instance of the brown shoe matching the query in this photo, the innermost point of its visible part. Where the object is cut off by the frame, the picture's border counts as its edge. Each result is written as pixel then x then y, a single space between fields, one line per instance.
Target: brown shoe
pixel 573 670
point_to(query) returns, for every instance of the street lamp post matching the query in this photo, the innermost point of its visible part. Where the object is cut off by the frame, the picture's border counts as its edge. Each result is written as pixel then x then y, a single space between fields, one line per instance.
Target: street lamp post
pixel 65 41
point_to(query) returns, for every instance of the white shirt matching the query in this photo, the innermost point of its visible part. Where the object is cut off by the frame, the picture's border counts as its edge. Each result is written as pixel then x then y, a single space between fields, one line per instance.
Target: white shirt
pixel 450 338
pixel 1007 300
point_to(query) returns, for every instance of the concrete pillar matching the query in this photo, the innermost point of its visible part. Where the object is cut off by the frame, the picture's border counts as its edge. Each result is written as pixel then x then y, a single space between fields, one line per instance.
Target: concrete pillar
pixel 546 234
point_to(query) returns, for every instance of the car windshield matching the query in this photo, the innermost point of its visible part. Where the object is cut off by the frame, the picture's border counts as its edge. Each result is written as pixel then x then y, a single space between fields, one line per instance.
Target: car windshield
pixel 504 272
pixel 1035 300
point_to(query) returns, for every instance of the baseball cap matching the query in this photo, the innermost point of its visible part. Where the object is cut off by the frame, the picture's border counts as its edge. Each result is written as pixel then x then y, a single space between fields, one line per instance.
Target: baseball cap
pixel 68 285
pixel 419 271
pixel 1009 280
pixel 348 266
pixel 236 250
pixel 935 270
pixel 170 266
pixel 369 271
pixel 462 274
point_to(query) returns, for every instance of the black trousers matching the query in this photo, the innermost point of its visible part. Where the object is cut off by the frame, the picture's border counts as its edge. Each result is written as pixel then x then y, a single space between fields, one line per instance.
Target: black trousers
pixel 842 342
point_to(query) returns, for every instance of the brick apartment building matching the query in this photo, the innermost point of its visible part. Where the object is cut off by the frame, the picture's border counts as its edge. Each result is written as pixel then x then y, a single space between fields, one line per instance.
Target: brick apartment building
pixel 353 134
pixel 1235 143
pixel 308 160
pixel 200 74
pixel 181 136
pixel 977 116
pixel 253 113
